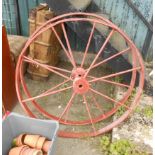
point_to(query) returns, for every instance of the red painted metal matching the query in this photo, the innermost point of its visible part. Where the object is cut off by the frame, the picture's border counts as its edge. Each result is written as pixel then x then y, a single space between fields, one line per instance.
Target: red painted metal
pixel 80 78
pixel 80 85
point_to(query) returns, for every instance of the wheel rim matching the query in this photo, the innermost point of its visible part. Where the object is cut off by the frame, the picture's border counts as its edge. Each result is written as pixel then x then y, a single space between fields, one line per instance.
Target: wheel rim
pixel 81 84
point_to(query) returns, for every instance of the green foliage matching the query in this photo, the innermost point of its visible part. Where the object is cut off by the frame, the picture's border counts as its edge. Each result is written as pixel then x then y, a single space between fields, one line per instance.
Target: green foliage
pixel 118 79
pixel 119 147
pixel 148 111
pixel 133 93
pixel 138 110
pixel 65 85
pixel 122 109
pixel 104 143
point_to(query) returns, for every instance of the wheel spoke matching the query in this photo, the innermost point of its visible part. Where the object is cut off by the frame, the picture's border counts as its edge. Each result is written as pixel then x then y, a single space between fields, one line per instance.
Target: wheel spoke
pixel 52 67
pixel 96 103
pixel 78 81
pixel 45 66
pixel 60 84
pixel 60 69
pixel 112 82
pixel 68 44
pixel 88 44
pixel 111 57
pixel 46 94
pixel 62 45
pixel 88 110
pixel 109 98
pixel 100 51
pixel 68 106
pixel 115 74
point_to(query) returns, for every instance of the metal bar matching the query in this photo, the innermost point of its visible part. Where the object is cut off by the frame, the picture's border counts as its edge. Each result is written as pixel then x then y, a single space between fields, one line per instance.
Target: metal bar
pixel 60 84
pixel 88 44
pixel 109 98
pixel 147 41
pixel 96 103
pixel 112 82
pixel 62 45
pixel 67 106
pixel 52 67
pixel 115 74
pixel 46 94
pixel 88 111
pixel 45 66
pixel 111 57
pixel 130 3
pixel 100 51
pixel 68 44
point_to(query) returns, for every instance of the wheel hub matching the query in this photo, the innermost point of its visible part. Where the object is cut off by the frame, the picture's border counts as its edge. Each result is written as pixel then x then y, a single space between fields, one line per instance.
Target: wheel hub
pixel 77 73
pixel 80 85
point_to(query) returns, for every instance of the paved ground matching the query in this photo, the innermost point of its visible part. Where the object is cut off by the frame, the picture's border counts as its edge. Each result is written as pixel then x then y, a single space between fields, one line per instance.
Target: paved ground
pixel 69 146
pixel 55 105
pixel 88 145
pixel 139 127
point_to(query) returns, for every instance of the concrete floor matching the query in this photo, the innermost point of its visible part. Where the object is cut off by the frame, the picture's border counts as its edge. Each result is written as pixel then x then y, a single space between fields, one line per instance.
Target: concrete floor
pixel 69 146
pixel 55 104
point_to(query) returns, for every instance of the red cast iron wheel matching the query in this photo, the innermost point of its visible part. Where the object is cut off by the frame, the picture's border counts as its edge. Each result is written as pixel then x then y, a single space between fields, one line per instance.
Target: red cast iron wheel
pixel 80 77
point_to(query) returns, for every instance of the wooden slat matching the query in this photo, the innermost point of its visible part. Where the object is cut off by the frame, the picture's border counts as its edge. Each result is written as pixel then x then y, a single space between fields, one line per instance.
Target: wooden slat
pixel 140 15
pixel 23 10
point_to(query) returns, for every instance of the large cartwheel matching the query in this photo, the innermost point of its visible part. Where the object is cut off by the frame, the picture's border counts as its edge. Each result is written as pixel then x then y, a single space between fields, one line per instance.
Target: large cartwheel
pixel 80 78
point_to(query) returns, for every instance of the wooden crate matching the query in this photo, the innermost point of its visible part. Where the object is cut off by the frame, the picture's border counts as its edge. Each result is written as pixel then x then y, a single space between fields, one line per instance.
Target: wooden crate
pixel 45 49
pixel 45 57
pixel 37 72
pixel 32 25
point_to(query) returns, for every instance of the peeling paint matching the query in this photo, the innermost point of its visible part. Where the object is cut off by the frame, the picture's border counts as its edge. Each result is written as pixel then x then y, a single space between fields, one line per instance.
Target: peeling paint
pixel 123 16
